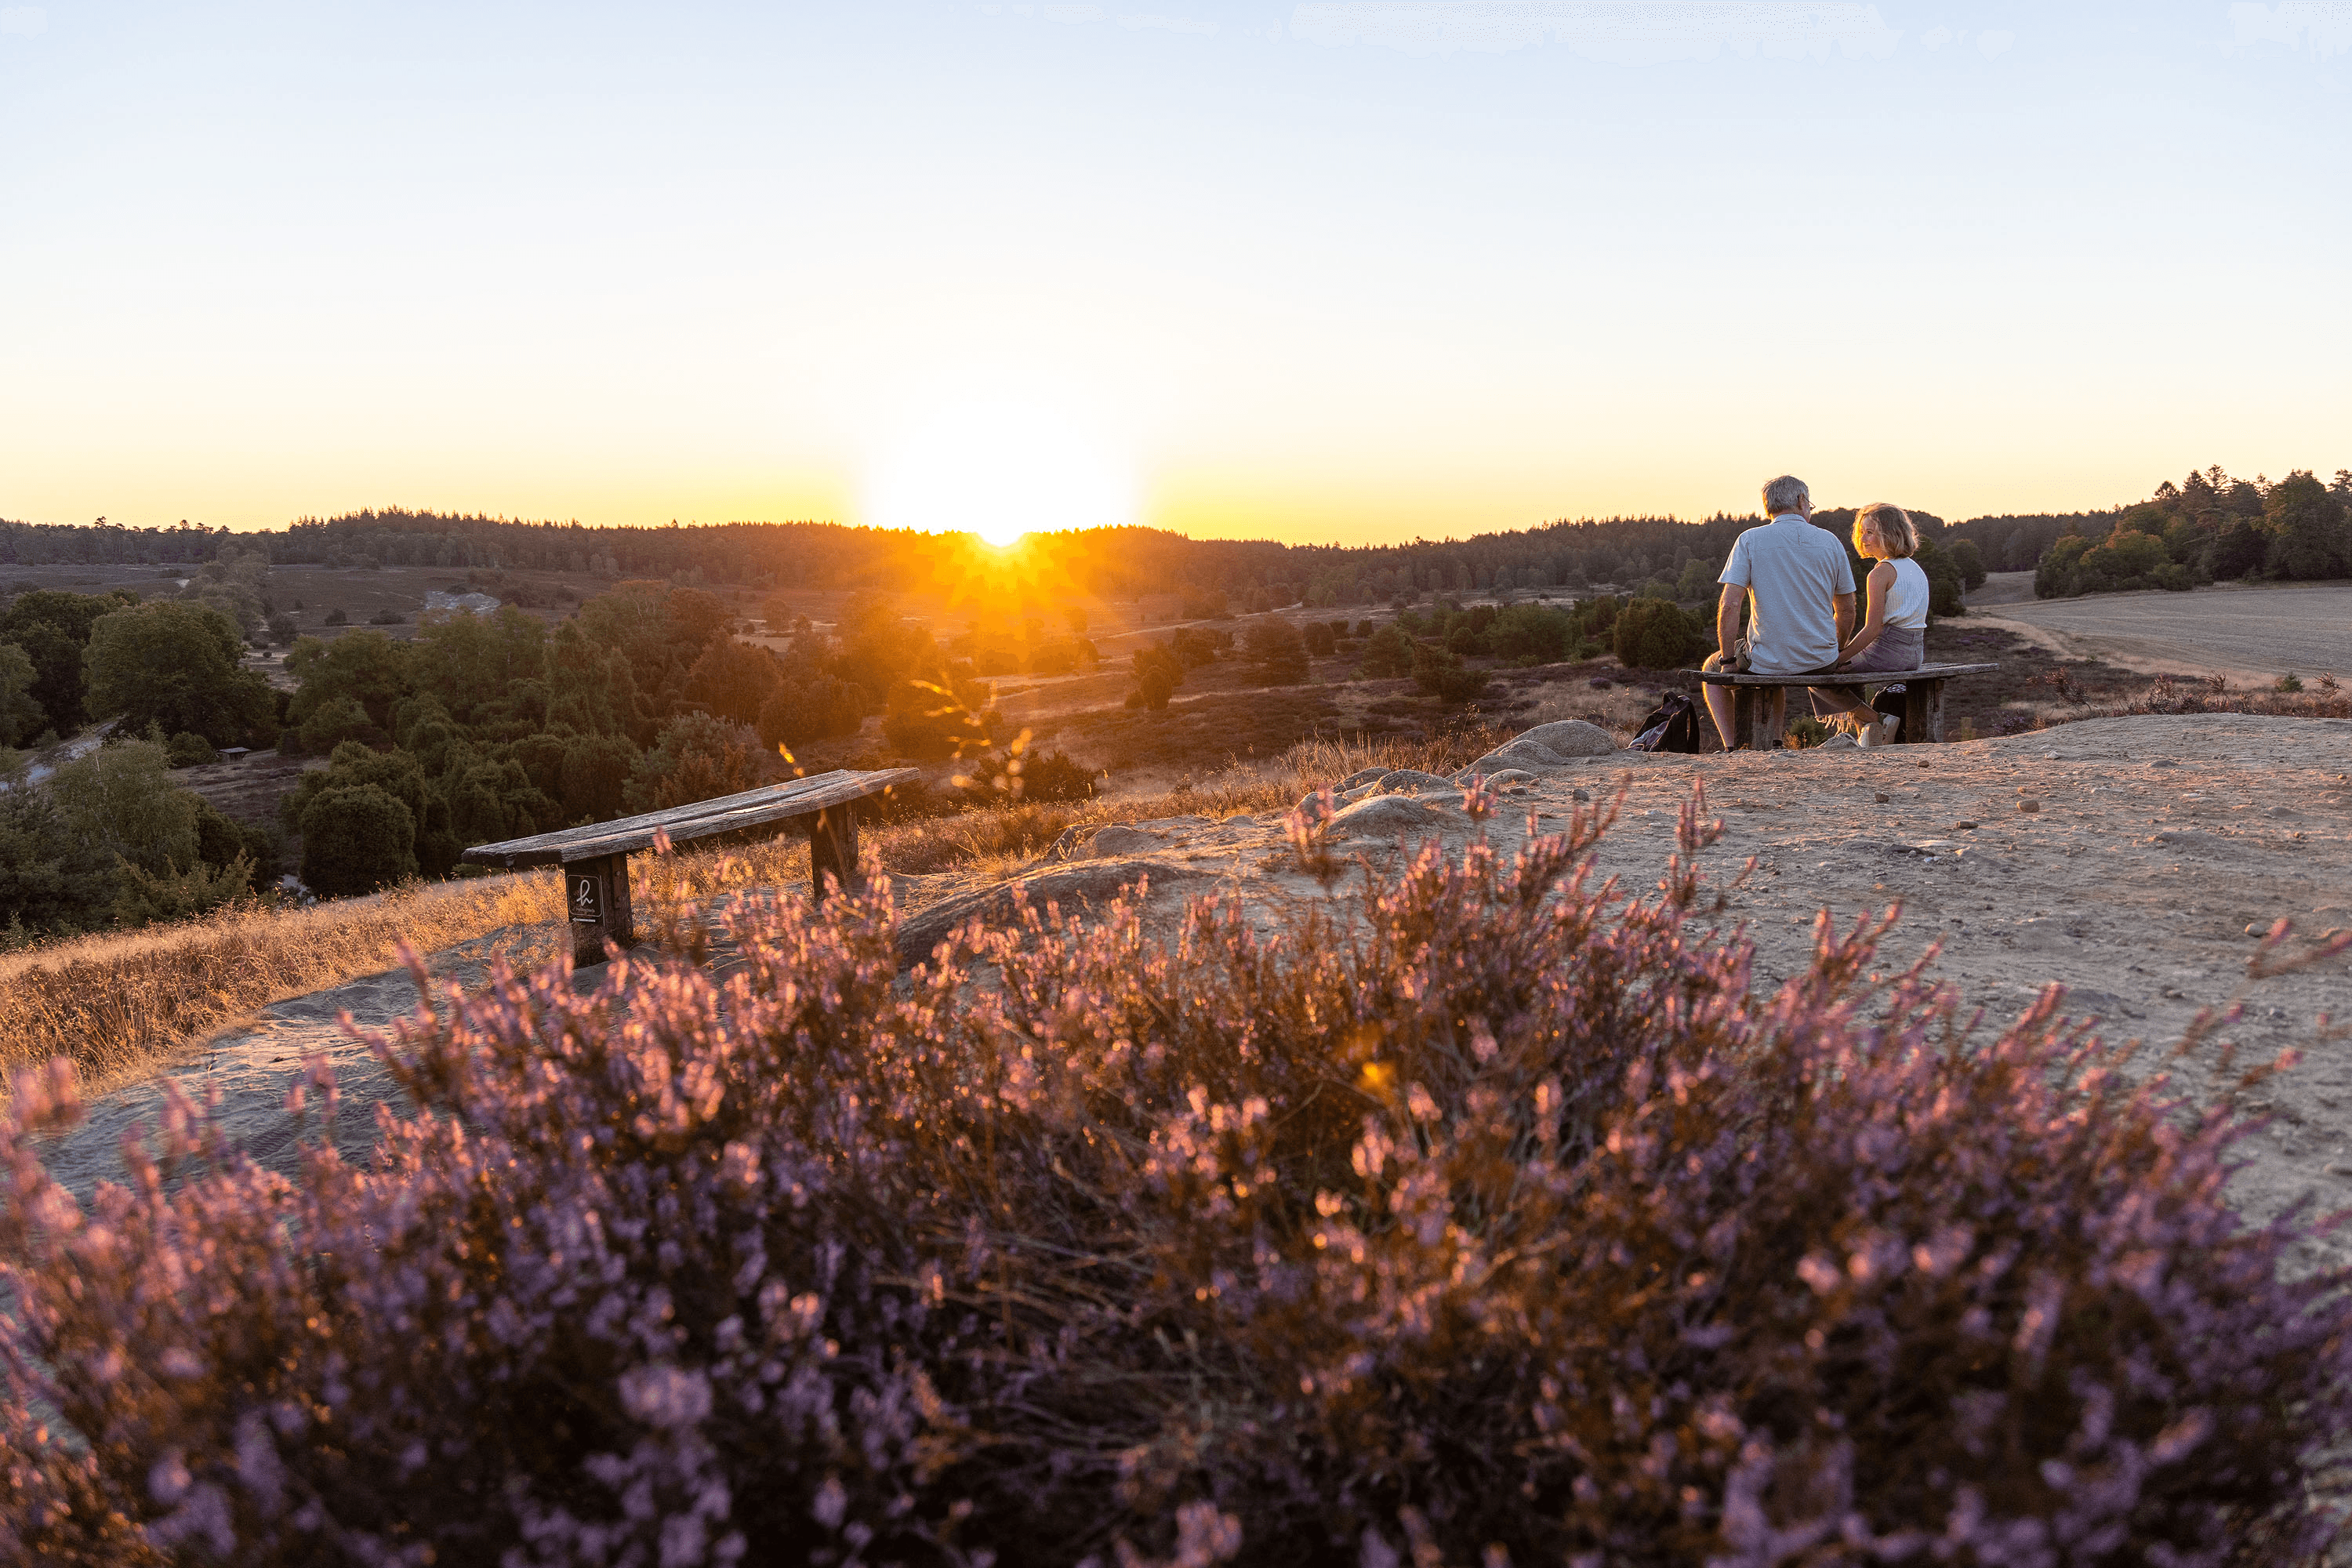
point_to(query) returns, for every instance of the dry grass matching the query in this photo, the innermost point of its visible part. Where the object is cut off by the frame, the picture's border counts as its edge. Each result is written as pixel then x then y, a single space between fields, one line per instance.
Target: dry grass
pixel 113 1003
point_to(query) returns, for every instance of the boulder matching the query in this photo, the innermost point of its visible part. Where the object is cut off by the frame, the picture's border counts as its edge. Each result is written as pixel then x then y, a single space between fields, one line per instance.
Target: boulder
pixel 1572 737
pixel 1412 781
pixel 1119 839
pixel 1360 778
pixel 1521 755
pixel 1077 888
pixel 1388 816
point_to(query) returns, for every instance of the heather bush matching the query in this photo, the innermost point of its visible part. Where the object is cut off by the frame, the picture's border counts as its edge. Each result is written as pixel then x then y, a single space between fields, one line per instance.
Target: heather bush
pixel 1489 1219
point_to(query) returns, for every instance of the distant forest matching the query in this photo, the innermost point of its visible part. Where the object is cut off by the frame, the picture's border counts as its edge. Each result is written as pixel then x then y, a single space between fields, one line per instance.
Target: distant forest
pixel 1116 562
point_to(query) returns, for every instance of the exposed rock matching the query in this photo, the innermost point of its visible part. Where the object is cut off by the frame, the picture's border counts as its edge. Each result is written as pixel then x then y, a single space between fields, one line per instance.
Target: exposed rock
pixel 1412 781
pixel 1078 887
pixel 1572 737
pixel 1361 777
pixel 1521 755
pixel 1389 817
pixel 1120 839
pixel 1511 778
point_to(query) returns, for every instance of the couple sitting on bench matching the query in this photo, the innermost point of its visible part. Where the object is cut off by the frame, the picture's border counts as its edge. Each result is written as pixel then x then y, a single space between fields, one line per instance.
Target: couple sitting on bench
pixel 1799 590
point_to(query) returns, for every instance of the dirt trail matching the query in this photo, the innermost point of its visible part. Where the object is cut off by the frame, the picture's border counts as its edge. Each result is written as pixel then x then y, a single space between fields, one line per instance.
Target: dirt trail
pixel 2156 843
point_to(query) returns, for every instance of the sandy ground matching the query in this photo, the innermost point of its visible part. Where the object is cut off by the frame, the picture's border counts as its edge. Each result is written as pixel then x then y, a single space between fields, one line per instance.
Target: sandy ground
pixel 2251 633
pixel 2157 843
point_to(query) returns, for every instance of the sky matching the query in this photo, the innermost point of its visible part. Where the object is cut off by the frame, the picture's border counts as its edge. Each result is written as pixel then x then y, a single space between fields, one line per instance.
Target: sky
pixel 1327 273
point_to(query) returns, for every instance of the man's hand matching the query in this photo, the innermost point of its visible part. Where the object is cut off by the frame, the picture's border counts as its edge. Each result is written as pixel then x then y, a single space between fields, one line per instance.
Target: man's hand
pixel 1726 619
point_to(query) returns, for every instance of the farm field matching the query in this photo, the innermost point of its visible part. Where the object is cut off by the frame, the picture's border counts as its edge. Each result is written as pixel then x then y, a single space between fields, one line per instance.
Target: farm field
pixel 2233 629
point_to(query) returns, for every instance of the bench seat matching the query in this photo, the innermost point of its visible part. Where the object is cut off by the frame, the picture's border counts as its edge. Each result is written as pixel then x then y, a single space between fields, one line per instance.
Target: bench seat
pixel 596 857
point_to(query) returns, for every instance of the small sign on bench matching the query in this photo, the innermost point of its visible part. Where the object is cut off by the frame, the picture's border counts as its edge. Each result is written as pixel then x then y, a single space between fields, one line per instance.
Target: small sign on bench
pixel 595 859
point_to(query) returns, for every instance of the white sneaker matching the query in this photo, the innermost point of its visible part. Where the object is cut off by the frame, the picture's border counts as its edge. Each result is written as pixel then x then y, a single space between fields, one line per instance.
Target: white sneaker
pixel 1883 732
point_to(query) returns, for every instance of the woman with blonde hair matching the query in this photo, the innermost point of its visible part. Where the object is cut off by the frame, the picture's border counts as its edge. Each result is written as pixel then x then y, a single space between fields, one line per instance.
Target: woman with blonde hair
pixel 1893 636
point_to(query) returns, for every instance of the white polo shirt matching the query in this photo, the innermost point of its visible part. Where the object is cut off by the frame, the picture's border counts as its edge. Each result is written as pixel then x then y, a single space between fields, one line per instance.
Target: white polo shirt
pixel 1793 573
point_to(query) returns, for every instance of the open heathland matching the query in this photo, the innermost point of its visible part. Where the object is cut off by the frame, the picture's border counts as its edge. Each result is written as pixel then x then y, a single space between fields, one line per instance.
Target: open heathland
pixel 1535 1193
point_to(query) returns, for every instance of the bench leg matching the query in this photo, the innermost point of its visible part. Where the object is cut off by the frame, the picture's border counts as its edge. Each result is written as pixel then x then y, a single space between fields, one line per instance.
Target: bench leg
pixel 598 893
pixel 1923 712
pixel 1756 716
pixel 832 850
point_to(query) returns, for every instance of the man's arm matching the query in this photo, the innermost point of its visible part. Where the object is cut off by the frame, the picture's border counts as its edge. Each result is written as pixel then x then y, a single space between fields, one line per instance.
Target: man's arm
pixel 1844 618
pixel 1727 618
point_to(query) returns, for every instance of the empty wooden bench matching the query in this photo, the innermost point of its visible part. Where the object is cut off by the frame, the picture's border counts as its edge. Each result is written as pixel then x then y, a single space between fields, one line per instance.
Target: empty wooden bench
pixel 595 859
pixel 1755 704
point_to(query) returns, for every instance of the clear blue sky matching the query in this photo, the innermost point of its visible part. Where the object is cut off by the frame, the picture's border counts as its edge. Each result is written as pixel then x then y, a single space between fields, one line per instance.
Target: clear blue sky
pixel 1320 271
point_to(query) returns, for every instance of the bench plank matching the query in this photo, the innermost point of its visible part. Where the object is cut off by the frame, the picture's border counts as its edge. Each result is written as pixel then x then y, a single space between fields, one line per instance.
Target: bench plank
pixel 808 804
pixel 1842 677
pixel 547 848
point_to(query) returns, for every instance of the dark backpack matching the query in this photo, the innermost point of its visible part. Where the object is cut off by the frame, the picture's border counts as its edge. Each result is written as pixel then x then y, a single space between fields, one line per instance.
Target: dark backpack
pixel 1673 728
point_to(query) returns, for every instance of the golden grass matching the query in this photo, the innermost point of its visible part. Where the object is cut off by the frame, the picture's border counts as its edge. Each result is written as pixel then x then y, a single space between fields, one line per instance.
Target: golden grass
pixel 114 1003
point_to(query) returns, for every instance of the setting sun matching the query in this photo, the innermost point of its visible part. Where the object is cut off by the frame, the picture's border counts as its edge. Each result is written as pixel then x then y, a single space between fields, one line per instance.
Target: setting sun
pixel 999 470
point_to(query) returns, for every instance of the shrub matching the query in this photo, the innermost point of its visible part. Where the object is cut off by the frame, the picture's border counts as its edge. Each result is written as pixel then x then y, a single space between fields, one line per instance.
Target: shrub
pixel 1444 676
pixel 1505 1223
pixel 355 840
pixel 1654 634
pixel 337 617
pixel 808 706
pixel 386 618
pixel 1322 642
pixel 1156 689
pixel 1278 652
pixel 189 749
pixel 1388 653
pixel 697 757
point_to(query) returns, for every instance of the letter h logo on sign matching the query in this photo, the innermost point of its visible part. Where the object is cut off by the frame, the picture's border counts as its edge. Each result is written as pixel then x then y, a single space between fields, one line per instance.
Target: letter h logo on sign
pixel 587 897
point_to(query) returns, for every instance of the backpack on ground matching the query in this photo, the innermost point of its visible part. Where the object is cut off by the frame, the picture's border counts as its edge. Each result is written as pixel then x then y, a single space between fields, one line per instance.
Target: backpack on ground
pixel 1673 728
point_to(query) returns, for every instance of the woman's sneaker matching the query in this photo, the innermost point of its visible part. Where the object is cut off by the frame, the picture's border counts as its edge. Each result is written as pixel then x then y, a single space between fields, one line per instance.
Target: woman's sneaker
pixel 1883 732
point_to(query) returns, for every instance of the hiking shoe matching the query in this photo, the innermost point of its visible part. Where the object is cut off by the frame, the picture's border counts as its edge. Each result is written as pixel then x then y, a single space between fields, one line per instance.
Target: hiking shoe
pixel 1840 739
pixel 1883 732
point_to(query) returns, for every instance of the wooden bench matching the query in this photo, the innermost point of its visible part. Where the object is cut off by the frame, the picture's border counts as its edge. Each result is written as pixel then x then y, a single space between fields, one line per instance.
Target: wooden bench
pixel 595 859
pixel 1760 722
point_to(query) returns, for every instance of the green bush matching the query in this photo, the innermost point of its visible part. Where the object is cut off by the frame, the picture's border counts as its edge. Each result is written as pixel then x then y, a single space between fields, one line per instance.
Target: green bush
pixel 1156 689
pixel 355 840
pixel 189 749
pixel 175 665
pixel 1654 634
pixel 1322 642
pixel 1388 653
pixel 1444 676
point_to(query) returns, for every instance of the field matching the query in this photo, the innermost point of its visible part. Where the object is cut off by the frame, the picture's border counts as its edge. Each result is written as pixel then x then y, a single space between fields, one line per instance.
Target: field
pixel 2245 632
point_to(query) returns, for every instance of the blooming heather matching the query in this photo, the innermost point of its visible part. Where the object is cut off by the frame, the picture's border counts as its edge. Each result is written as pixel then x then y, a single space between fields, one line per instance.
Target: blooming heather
pixel 1488 1218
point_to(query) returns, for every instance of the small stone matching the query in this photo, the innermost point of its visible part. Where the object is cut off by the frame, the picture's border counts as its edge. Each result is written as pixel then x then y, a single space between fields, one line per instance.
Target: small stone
pixel 1882 797
pixel 2340 1168
pixel 1959 827
pixel 1583 795
pixel 2029 805
pixel 2256 927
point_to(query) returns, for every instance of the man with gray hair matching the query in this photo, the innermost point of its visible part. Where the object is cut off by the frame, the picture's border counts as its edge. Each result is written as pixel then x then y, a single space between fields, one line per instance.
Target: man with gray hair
pixel 1799 591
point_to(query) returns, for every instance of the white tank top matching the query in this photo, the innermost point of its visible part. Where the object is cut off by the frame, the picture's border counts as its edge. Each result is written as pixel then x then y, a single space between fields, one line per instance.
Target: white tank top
pixel 1907 597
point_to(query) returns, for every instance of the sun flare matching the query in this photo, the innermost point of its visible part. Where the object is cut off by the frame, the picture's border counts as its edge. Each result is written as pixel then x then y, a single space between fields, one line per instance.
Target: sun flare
pixel 999 470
